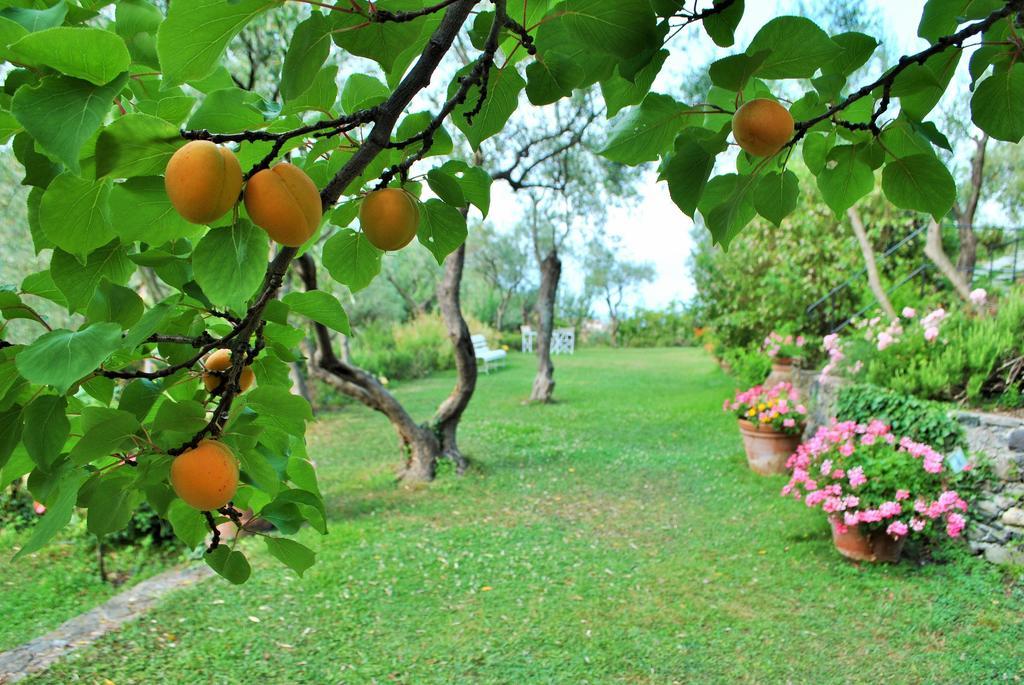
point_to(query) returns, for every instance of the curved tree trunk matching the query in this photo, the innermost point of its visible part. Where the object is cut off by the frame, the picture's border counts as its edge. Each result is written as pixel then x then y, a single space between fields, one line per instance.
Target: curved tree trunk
pixel 968 257
pixel 550 273
pixel 870 264
pixel 934 251
pixel 450 412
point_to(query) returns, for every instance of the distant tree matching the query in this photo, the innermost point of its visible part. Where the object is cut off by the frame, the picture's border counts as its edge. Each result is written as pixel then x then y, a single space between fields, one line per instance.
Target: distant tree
pixel 500 259
pixel 612 278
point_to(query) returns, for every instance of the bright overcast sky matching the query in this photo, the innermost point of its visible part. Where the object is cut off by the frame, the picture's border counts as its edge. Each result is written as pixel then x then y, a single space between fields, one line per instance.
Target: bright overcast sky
pixel 655 230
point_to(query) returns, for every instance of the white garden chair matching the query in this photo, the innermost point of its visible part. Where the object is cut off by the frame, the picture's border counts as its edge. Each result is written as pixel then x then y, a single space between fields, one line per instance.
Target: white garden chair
pixel 529 338
pixel 487 355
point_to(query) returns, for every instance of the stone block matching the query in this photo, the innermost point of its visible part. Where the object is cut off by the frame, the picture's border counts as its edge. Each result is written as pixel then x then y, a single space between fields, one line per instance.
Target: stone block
pixel 1013 517
pixel 968 419
pixel 1004 467
pixel 987 509
pixel 1016 440
pixel 1004 555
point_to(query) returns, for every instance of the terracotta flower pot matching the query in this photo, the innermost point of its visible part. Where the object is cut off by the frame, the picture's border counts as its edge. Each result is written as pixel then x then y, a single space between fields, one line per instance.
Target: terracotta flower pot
pixel 877 546
pixel 767 450
pixel 782 371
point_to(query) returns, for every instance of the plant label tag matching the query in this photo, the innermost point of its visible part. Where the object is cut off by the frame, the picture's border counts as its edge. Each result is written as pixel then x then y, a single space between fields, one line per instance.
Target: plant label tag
pixel 957 460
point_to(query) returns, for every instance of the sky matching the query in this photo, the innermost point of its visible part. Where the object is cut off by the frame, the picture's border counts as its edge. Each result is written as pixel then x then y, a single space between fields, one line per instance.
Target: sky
pixel 654 230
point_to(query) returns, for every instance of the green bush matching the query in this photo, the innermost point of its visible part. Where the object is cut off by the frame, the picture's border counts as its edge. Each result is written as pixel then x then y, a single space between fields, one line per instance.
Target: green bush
pixel 919 420
pixel 16 507
pixel 404 351
pixel 750 366
pixel 670 327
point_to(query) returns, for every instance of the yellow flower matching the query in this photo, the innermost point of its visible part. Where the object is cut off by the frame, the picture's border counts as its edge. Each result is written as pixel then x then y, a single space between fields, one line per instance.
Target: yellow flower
pixel 760 407
pixel 751 412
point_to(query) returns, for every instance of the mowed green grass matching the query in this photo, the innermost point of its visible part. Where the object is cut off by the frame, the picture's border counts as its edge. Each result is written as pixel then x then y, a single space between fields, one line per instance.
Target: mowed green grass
pixel 614 537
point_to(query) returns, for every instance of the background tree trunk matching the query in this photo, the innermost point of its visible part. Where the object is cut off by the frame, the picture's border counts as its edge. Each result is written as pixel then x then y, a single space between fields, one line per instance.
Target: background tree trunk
pixel 550 273
pixel 299 385
pixel 934 251
pixel 968 257
pixel 450 412
pixel 870 264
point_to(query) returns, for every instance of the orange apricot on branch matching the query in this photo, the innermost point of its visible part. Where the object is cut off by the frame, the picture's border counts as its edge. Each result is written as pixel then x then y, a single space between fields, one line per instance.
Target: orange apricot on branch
pixel 284 202
pixel 203 181
pixel 205 477
pixel 390 218
pixel 762 127
pixel 220 361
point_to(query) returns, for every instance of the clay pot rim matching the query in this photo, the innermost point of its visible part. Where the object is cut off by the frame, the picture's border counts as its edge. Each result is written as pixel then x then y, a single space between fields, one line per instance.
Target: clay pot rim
pixel 784 361
pixel 756 428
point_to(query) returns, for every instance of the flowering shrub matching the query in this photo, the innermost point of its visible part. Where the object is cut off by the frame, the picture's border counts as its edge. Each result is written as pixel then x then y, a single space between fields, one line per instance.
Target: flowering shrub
pixel 783 345
pixel 863 475
pixel 777 408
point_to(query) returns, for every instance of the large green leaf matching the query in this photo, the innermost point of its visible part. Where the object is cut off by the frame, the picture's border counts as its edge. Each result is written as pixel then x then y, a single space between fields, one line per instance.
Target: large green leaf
pixel 58 510
pixel 503 88
pixel 362 91
pixel 141 211
pixel 776 195
pixel 229 262
pixel 137 22
pixel 115 303
pixel 857 50
pixel 62 113
pixel 105 431
pixel 307 51
pixel 318 97
pixel 292 554
pixel 78 282
pixel 642 133
pixel 229 110
pixel 46 428
pixel 551 77
pixel 278 407
pixel 997 106
pixel 727 206
pixel 383 42
pixel 734 71
pixel 320 307
pixel 112 502
pixel 60 358
pixel 622 28
pixel 797 48
pixel 620 92
pixel 919 182
pixel 351 259
pixel 442 228
pixel 941 17
pixel 845 179
pixel 136 145
pixel 36 19
pixel 195 33
pixel 75 214
pixel 721 27
pixel 230 564
pixel 689 167
pixel 91 54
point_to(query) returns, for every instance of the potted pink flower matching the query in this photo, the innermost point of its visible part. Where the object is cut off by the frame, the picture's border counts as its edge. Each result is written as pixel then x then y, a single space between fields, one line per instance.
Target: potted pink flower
pixel 784 349
pixel 876 489
pixel 771 421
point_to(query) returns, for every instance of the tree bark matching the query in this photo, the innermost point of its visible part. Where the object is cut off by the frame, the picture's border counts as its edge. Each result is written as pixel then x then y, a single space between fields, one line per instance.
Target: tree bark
pixel 550 273
pixel 968 257
pixel 449 413
pixel 870 264
pixel 934 251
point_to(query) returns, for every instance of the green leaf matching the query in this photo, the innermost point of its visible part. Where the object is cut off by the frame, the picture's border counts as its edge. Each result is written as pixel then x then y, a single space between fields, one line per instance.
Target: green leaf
pixel 845 179
pixel 721 27
pixel 414 124
pixel 60 358
pixel 91 54
pixel 229 262
pixel 115 303
pixel 138 397
pixel 10 431
pixel 727 206
pixel 622 28
pixel 503 88
pixel 141 211
pixel 105 431
pixel 733 72
pixel 362 92
pixel 62 113
pixel 446 186
pixel 797 47
pixel 857 50
pixel 318 97
pixel 231 565
pixel 112 502
pixel 279 408
pixel 77 282
pixel 642 133
pixel 189 524
pixel 442 228
pixel 295 556
pixel 187 416
pixel 36 20
pixel 815 150
pixel 551 77
pixel 351 259
pixel 928 83
pixel 75 214
pixel 476 187
pixel 620 92
pixel 941 17
pixel 195 33
pixel 919 182
pixel 46 428
pixel 689 167
pixel 307 52
pixel 997 106
pixel 136 145
pixel 229 110
pixel 137 22
pixel 776 195
pixel 320 307
pixel 383 42
pixel 58 511
pixel 259 470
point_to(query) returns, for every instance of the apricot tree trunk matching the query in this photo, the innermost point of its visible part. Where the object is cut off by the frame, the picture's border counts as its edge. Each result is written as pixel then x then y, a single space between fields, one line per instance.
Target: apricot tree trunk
pixel 870 264
pixel 968 257
pixel 934 251
pixel 550 273
pixel 449 414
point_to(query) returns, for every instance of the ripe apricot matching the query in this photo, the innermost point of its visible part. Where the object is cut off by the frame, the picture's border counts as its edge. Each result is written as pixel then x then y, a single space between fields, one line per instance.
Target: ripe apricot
pixel 284 202
pixel 390 218
pixel 762 127
pixel 220 360
pixel 206 477
pixel 203 181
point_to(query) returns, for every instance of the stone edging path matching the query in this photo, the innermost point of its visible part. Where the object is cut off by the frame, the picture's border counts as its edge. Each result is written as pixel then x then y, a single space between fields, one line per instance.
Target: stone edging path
pixel 81 631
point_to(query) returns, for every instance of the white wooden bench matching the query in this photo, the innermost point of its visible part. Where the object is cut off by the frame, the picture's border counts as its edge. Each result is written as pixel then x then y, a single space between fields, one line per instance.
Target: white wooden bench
pixel 486 354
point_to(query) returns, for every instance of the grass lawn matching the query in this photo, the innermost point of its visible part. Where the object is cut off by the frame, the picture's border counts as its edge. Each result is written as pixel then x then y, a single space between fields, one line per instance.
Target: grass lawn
pixel 614 537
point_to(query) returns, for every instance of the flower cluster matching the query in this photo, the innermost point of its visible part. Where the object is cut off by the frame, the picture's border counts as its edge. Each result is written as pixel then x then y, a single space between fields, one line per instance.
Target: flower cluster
pixel 834 347
pixel 930 323
pixel 777 408
pixel 783 345
pixel 863 475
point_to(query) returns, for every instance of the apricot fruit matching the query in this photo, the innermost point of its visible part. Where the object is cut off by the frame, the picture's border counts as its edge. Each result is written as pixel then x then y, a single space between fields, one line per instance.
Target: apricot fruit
pixel 203 181
pixel 205 477
pixel 220 360
pixel 390 218
pixel 762 127
pixel 284 202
